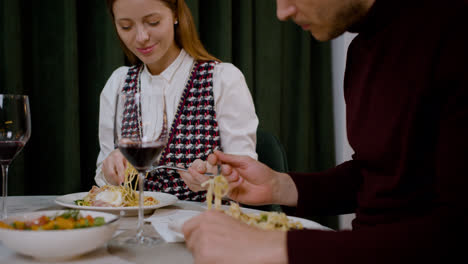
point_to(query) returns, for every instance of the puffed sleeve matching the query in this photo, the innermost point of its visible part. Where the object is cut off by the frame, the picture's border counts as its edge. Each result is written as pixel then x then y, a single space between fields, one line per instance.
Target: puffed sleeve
pixel 106 119
pixel 235 111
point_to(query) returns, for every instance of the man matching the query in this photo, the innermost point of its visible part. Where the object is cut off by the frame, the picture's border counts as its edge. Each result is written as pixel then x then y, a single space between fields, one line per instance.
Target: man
pixel 406 93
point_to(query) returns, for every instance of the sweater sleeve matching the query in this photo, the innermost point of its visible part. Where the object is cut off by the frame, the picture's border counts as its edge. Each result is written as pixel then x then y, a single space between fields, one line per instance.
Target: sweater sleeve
pixel 328 193
pixel 235 111
pixel 439 235
pixel 106 120
pixel 431 238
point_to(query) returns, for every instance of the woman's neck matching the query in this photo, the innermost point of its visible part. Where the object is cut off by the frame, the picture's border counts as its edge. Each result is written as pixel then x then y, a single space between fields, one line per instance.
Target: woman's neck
pixel 162 64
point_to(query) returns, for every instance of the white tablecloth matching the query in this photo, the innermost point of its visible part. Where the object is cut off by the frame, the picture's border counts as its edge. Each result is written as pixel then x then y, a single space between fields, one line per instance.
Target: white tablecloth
pixel 166 253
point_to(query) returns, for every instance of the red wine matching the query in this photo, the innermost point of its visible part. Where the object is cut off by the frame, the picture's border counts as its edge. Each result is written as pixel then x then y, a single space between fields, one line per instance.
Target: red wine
pixel 8 151
pixel 141 155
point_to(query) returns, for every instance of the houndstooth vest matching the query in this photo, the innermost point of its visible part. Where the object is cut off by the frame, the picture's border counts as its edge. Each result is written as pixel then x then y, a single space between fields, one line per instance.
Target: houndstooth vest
pixel 194 133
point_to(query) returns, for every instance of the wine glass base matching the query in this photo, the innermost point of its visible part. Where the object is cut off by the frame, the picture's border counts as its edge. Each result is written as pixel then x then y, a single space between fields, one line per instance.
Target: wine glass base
pixel 130 239
pixel 161 252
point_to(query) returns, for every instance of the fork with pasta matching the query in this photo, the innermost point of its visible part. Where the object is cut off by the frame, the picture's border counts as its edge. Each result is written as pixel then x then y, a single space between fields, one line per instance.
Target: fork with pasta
pixel 218 187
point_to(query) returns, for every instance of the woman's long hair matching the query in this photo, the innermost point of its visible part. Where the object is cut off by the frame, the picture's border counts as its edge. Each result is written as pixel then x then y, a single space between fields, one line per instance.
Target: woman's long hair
pixel 186 35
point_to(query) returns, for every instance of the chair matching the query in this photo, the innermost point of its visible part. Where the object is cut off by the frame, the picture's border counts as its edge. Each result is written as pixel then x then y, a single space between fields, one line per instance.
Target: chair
pixel 270 152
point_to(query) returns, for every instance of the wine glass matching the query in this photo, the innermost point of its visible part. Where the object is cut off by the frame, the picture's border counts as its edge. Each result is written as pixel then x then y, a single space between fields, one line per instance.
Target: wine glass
pixel 15 131
pixel 140 134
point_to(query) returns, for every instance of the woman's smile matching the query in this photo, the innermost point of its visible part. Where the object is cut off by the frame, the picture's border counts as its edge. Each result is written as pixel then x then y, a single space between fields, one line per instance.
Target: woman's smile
pixel 146 50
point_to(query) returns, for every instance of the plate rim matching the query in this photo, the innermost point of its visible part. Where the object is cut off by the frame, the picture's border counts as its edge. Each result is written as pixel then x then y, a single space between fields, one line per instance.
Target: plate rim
pixel 120 208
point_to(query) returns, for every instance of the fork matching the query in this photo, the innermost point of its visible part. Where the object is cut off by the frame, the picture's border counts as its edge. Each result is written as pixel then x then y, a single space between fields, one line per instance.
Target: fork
pixel 211 175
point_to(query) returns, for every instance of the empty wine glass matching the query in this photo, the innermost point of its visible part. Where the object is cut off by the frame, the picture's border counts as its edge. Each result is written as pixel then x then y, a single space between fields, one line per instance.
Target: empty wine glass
pixel 15 131
pixel 140 134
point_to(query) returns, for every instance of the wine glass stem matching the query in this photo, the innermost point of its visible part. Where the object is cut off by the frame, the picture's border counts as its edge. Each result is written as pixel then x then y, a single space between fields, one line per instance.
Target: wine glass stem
pixel 141 177
pixel 4 191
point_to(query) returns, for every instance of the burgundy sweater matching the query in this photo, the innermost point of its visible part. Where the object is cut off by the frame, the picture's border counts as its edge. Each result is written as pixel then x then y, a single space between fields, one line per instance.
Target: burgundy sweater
pixel 406 93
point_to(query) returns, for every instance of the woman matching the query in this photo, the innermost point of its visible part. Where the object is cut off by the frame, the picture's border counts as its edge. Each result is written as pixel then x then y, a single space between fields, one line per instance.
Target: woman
pixel 208 104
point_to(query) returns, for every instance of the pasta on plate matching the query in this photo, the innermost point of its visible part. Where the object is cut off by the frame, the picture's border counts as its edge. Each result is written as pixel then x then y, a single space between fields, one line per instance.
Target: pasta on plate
pixel 218 186
pixel 124 195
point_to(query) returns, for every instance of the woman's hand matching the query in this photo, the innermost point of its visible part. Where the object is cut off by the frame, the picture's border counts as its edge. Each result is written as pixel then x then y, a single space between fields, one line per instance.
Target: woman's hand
pixel 195 175
pixel 114 167
pixel 214 237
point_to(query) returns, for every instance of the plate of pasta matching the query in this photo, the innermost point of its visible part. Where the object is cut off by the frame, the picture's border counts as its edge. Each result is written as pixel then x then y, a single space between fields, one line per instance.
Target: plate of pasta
pixel 169 222
pixel 217 188
pixel 121 199
pixel 111 201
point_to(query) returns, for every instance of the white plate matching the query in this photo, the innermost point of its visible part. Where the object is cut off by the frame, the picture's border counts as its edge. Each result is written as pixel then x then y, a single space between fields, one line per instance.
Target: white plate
pixel 176 226
pixel 308 224
pixel 164 199
pixel 169 222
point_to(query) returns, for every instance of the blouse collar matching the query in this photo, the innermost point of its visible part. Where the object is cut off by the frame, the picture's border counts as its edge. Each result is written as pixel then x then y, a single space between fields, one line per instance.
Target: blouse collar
pixel 170 71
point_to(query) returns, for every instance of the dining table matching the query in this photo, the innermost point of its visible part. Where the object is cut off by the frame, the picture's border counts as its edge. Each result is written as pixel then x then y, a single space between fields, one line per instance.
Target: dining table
pixel 174 252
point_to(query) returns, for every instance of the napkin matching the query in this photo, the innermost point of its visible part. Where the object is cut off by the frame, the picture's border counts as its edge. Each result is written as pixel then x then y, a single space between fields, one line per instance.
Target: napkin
pixel 169 222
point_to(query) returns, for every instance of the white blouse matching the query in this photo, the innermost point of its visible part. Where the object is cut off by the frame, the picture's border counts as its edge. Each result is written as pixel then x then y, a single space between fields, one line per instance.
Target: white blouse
pixel 235 111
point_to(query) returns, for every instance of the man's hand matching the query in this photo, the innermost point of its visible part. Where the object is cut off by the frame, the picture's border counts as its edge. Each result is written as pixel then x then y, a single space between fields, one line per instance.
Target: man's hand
pixel 214 237
pixel 252 182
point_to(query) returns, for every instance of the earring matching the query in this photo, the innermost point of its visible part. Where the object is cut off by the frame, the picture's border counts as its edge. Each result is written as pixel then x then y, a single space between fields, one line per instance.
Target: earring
pixel 176 22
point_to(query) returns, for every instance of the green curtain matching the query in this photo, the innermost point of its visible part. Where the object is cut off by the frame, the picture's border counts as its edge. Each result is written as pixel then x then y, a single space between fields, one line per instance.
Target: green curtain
pixel 60 53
